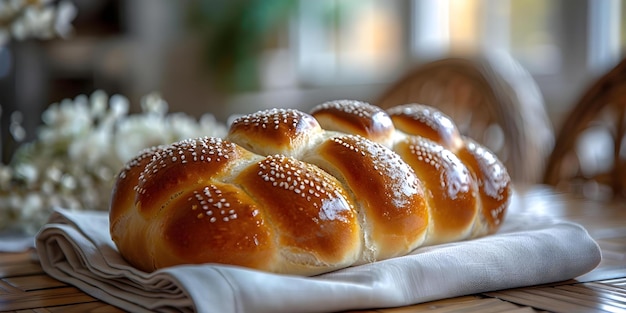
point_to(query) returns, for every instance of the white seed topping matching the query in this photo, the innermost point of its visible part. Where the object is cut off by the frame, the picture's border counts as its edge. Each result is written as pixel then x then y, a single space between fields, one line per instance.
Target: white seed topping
pixel 182 152
pixel 455 177
pixel 353 107
pixel 403 182
pixel 290 174
pixel 272 118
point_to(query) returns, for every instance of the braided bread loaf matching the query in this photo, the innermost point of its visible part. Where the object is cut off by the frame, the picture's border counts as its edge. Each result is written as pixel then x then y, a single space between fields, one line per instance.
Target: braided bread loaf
pixel 297 193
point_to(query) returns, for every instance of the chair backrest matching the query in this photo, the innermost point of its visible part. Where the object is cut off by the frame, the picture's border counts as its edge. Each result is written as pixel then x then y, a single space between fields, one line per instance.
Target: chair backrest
pixel 589 155
pixel 493 100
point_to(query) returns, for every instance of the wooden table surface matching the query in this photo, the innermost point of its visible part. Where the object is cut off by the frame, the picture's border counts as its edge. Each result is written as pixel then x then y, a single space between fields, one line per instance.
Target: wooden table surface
pixel 24 287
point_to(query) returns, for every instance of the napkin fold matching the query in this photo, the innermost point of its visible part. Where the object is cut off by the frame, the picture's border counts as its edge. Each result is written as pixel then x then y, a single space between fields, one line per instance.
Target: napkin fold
pixel 76 248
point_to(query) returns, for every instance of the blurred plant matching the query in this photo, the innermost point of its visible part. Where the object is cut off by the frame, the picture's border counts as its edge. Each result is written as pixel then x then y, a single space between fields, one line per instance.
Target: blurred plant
pixel 79 149
pixel 233 34
pixel 41 19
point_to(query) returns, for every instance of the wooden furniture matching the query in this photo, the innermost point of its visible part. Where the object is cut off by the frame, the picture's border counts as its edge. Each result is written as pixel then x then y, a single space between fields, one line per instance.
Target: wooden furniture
pixel 492 99
pixel 589 155
pixel 24 287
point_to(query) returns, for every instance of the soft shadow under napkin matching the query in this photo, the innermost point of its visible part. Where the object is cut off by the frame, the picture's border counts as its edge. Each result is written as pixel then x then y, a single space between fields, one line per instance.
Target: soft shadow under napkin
pixel 76 248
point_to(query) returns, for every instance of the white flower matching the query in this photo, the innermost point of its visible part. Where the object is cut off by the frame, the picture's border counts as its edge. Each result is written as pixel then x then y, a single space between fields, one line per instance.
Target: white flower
pixel 66 12
pixel 139 132
pixel 37 22
pixel 182 126
pixel 81 145
pixel 209 126
pixel 153 103
pixel 40 19
pixel 6 173
pixel 27 172
pixel 98 102
pixel 119 106
pixel 32 203
pixel 90 148
pixel 66 120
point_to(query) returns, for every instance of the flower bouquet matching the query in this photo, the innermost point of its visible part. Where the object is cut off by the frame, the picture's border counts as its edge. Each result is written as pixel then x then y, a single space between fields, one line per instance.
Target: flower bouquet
pixel 79 149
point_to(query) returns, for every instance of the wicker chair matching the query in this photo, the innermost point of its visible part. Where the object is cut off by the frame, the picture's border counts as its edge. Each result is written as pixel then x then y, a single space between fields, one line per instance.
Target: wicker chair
pixel 492 99
pixel 589 156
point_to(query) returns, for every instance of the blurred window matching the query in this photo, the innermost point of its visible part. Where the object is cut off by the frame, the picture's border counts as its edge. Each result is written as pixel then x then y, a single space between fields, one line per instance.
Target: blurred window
pixel 622 11
pixel 366 41
pixel 534 37
pixel 527 29
pixel 604 35
pixel 349 41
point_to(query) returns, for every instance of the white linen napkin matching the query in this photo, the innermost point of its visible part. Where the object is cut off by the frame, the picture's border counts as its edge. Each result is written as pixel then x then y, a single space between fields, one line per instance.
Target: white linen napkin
pixel 76 248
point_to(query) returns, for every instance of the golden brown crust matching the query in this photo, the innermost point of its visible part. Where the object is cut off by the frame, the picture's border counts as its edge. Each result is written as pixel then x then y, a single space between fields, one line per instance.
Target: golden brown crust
pixel 452 191
pixel 215 223
pixel 275 131
pixel 386 189
pixel 309 210
pixel 187 163
pixel 123 194
pixel 493 181
pixel 281 194
pixel 124 227
pixel 154 184
pixel 428 122
pixel 208 200
pixel 355 117
pixel 417 120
